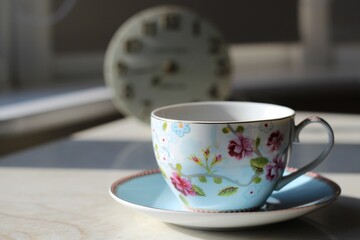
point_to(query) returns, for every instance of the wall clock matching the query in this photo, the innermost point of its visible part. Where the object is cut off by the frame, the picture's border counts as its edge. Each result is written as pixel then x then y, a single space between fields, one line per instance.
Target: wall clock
pixel 166 55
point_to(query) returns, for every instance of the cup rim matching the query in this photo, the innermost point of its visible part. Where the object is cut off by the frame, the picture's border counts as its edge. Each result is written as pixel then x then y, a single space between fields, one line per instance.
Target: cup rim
pixel 155 112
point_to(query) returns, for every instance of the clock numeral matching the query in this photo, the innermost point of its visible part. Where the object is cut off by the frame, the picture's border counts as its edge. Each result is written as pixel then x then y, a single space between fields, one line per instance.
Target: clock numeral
pixel 156 81
pixel 149 28
pixel 121 68
pixel 214 92
pixel 147 103
pixel 215 45
pixel 128 91
pixel 133 46
pixel 172 22
pixel 223 68
pixel 146 108
pixel 196 28
pixel 170 67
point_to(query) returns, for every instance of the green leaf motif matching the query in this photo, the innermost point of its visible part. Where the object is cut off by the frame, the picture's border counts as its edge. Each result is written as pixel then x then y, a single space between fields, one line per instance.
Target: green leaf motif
pixel 257 180
pixel 183 199
pixel 259 162
pixel 178 167
pixel 217 180
pixel 164 126
pixel 163 173
pixel 157 154
pixel 225 130
pixel 258 171
pixel 257 142
pixel 240 129
pixel 202 179
pixel 228 191
pixel 198 190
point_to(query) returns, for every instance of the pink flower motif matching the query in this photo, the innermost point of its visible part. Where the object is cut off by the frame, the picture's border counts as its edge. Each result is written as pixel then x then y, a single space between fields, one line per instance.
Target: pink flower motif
pixel 274 141
pixel 182 185
pixel 218 158
pixel 240 147
pixel 195 159
pixel 206 152
pixel 163 139
pixel 164 155
pixel 272 169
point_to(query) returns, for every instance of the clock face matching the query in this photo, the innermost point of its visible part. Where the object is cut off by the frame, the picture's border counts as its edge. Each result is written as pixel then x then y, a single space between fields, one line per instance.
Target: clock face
pixel 166 55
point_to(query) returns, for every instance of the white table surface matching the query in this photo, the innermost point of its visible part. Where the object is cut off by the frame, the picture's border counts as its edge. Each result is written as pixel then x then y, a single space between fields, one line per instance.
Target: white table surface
pixel 74 203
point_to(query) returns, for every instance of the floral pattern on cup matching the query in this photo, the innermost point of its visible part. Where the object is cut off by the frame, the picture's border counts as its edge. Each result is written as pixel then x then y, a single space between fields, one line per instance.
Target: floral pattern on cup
pixel 228 156
pixel 240 147
pixel 183 185
pixel 180 128
pixel 272 169
pixel 251 192
pixel 266 126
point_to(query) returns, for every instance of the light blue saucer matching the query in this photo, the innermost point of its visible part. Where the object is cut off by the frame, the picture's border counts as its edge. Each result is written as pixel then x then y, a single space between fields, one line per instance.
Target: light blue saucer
pixel 148 193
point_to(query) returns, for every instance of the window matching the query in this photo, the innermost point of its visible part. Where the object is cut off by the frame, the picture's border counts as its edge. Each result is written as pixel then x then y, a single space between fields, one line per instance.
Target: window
pixel 50 48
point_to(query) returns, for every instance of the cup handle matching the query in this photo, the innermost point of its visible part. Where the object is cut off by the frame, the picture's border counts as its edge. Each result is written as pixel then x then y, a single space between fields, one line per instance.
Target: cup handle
pixel 286 179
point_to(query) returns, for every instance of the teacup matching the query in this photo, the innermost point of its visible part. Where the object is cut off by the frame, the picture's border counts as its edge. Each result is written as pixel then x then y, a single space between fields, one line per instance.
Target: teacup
pixel 227 156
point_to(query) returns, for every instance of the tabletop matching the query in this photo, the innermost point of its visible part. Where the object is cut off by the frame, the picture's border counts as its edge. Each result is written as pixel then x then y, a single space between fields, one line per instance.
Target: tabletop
pixel 60 190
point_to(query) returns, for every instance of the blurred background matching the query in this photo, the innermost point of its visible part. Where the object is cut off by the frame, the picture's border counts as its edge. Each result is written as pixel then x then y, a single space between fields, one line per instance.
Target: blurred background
pixel 301 53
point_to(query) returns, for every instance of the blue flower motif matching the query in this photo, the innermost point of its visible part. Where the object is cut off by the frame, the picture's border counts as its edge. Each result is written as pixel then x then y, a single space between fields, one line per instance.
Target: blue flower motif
pixel 180 128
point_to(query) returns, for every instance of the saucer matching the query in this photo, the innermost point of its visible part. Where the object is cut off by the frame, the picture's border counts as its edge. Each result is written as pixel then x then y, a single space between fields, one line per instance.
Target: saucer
pixel 148 193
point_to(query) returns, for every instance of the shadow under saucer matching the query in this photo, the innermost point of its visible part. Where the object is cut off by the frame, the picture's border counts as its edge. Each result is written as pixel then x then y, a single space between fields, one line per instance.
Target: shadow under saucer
pixel 293 229
pixel 340 220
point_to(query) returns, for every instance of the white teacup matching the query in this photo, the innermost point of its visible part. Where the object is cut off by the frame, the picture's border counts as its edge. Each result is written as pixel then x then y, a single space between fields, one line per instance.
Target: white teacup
pixel 227 156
